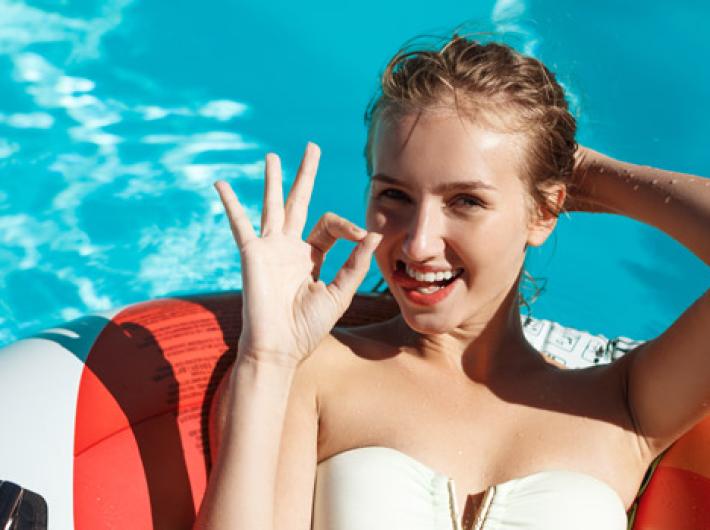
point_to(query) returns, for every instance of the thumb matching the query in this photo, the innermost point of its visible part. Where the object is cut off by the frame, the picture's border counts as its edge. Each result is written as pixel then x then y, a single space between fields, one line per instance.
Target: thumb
pixel 353 271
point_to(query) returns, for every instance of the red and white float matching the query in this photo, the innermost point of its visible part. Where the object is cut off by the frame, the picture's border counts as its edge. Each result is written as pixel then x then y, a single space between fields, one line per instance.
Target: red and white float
pixel 106 417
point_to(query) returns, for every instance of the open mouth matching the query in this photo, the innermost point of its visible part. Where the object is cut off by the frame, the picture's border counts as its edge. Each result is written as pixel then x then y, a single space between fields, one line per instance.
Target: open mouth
pixel 424 282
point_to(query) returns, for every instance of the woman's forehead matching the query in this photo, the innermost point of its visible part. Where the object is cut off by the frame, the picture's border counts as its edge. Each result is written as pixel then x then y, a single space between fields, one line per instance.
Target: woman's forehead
pixel 443 145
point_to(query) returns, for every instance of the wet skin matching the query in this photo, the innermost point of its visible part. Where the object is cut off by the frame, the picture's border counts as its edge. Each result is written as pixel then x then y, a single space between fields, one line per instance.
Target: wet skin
pixel 454 383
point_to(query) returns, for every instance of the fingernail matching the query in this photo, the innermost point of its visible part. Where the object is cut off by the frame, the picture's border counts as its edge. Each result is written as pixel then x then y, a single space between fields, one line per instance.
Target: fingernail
pixel 376 238
pixel 312 147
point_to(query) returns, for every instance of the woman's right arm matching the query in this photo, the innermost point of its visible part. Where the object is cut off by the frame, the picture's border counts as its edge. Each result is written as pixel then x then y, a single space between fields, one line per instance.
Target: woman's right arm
pixel 287 312
pixel 298 456
pixel 240 493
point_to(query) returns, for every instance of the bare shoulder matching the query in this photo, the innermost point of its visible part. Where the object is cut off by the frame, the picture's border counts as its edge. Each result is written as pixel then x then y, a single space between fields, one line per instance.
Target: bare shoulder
pixel 599 392
pixel 346 345
pixel 334 358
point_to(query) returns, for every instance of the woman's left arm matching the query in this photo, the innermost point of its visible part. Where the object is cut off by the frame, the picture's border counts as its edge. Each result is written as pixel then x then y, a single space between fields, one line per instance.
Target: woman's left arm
pixel 667 378
pixel 677 203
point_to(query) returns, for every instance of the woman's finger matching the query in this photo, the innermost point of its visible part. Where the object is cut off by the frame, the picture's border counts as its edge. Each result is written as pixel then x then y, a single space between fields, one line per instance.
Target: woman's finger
pixel 351 274
pixel 329 228
pixel 299 197
pixel 272 214
pixel 238 220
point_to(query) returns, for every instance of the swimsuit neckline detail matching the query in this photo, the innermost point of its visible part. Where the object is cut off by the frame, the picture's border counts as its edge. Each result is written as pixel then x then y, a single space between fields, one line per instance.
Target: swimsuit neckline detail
pixel 498 486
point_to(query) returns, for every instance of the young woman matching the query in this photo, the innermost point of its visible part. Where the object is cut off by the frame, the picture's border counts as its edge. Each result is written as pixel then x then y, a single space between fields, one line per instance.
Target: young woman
pixel 444 417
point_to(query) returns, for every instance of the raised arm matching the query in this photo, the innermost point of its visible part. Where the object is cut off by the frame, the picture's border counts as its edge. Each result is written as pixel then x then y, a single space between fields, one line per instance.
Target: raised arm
pixel 287 312
pixel 676 203
pixel 668 378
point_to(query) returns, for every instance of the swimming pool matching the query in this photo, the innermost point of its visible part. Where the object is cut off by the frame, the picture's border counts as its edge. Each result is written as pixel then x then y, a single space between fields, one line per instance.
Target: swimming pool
pixel 116 116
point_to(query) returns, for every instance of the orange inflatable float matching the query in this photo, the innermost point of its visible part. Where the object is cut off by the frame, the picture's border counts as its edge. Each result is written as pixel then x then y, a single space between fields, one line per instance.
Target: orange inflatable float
pixel 106 417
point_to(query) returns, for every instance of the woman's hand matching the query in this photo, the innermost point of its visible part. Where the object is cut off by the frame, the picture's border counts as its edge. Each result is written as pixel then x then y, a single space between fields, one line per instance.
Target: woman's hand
pixel 581 190
pixel 287 310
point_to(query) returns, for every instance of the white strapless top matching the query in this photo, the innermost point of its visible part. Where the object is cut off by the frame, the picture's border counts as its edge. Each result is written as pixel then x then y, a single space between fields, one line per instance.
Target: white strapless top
pixel 379 488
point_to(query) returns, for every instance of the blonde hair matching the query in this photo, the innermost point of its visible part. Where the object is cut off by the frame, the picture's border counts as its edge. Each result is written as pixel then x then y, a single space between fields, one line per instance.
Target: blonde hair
pixel 488 82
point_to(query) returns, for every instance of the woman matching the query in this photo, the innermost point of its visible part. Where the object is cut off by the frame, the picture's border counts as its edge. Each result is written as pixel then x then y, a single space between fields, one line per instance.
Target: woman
pixel 471 154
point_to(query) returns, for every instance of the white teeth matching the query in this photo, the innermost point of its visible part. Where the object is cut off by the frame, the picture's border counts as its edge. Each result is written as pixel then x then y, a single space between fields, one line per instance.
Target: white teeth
pixel 430 276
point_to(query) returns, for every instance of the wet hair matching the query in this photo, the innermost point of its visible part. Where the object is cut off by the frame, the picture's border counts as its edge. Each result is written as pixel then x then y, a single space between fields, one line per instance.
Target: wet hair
pixel 494 85
pixel 489 83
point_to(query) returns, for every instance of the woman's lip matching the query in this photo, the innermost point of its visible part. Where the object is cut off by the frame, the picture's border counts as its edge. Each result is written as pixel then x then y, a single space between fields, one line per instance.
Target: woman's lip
pixel 424 269
pixel 409 286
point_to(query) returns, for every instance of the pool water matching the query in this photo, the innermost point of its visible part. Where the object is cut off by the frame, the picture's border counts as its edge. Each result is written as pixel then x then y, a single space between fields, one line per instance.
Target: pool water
pixel 117 116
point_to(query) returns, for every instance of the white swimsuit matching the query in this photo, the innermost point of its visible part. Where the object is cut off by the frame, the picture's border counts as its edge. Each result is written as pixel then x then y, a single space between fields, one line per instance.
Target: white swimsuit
pixel 379 488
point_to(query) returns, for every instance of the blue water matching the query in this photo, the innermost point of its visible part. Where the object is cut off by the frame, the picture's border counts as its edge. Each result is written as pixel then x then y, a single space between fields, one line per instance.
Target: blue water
pixel 116 116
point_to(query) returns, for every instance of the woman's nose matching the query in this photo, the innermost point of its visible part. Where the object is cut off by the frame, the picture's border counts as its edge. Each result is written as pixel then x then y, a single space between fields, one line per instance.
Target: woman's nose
pixel 425 238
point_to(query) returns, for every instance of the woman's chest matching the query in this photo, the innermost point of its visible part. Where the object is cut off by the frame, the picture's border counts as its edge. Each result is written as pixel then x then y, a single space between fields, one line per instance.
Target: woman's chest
pixel 472 435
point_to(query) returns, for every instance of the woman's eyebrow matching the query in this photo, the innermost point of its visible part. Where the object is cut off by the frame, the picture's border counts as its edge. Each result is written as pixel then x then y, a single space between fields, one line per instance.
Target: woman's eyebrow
pixel 446 187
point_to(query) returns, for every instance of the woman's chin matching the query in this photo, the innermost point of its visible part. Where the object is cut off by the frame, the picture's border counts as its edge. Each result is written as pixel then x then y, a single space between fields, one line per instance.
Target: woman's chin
pixel 428 323
pixel 425 320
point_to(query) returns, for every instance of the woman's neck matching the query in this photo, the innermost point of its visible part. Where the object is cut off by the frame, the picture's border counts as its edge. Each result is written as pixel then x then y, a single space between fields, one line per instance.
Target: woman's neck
pixel 483 348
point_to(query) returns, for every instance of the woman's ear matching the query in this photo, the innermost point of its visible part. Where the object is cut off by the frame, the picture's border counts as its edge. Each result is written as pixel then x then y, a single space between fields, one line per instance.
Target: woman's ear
pixel 544 218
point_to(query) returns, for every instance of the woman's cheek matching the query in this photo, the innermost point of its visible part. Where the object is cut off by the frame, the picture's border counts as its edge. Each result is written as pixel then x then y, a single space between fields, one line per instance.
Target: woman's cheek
pixel 380 221
pixel 374 220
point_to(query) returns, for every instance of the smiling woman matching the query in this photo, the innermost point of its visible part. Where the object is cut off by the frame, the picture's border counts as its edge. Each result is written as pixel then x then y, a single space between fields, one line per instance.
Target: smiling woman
pixel 485 217
pixel 472 155
pixel 435 411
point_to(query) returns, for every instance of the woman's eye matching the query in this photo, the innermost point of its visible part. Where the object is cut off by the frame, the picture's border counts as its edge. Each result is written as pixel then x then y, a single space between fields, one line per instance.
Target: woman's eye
pixel 467 201
pixel 394 194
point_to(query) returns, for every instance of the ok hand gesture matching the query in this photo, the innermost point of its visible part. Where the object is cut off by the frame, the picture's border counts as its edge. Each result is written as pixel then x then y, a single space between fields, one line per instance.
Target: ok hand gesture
pixel 287 310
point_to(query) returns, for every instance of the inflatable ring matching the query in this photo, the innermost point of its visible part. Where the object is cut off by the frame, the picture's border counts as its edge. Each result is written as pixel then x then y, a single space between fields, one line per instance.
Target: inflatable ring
pixel 105 417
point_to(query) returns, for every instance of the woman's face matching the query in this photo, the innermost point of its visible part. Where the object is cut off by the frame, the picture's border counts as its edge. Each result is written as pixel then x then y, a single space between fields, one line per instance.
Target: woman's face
pixel 454 214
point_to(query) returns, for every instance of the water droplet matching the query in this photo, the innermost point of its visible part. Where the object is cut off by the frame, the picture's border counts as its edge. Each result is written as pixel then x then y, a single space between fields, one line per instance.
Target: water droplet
pixel 654 181
pixel 636 187
pixel 668 199
pixel 674 181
